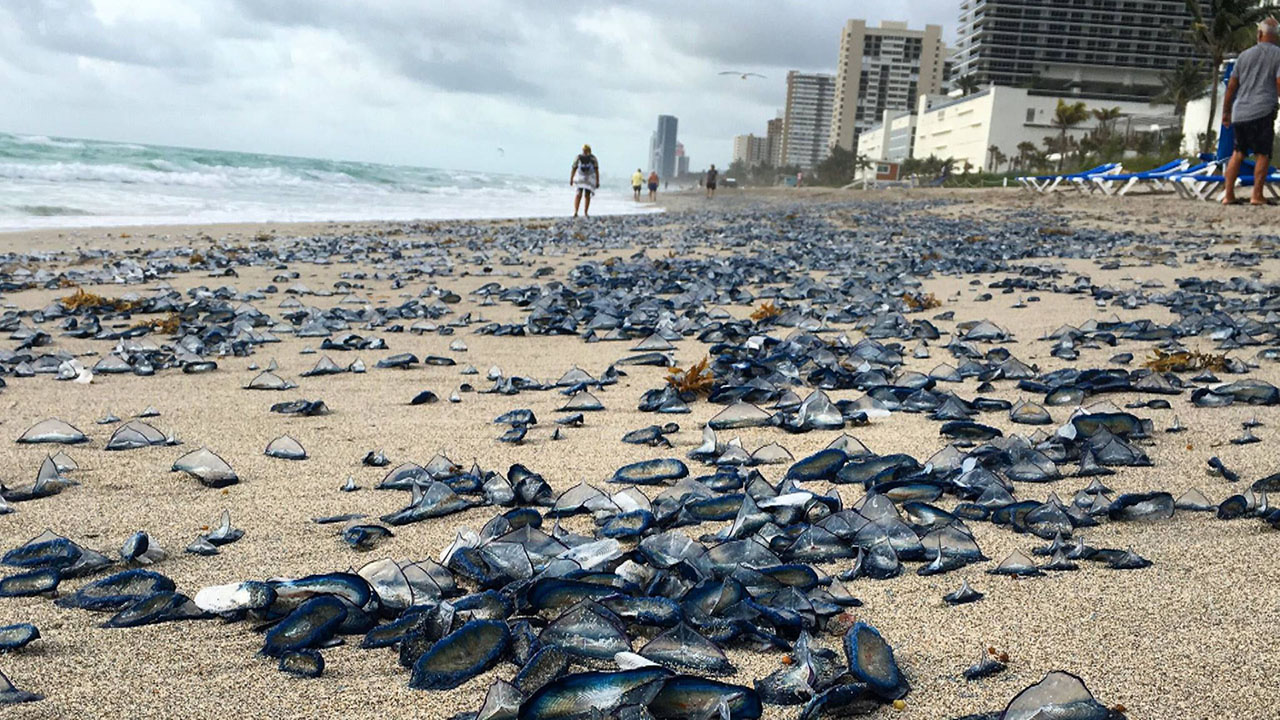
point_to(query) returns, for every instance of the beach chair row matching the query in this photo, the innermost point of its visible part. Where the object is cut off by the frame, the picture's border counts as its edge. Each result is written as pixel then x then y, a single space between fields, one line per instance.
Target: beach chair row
pixel 1193 180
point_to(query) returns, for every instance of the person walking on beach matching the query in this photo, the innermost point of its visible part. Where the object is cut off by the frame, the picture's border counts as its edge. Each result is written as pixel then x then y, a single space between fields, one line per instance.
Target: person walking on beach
pixel 653 186
pixel 711 181
pixel 637 179
pixel 1250 107
pixel 585 176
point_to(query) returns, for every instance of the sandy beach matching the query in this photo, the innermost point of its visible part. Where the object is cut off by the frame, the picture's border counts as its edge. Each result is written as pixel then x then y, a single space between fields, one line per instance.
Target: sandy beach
pixel 1193 636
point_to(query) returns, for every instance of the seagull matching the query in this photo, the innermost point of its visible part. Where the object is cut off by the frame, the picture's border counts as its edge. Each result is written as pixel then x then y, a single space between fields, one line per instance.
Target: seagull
pixel 743 75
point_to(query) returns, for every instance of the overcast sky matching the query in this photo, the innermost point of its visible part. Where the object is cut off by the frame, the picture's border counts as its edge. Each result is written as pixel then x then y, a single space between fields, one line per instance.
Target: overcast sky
pixel 441 83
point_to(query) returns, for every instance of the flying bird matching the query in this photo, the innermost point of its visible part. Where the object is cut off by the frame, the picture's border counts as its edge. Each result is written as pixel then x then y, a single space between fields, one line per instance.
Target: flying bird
pixel 743 75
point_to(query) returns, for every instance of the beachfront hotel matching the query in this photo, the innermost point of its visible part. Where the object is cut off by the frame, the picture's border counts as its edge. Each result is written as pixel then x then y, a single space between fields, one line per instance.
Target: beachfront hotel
pixel 1100 49
pixel 884 68
pixel 965 129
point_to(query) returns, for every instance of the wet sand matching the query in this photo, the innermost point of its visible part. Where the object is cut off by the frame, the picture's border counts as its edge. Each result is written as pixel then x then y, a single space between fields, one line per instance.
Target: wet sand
pixel 1191 637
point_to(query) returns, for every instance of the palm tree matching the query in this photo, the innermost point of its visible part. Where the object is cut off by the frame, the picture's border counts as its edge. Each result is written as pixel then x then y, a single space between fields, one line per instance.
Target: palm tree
pixel 968 84
pixel 1000 159
pixel 996 157
pixel 1222 27
pixel 1106 118
pixel 1026 153
pixel 1066 117
pixel 1185 83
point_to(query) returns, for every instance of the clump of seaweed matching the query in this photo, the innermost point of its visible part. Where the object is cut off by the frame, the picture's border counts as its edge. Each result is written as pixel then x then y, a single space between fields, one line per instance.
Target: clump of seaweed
pixel 697 378
pixel 82 300
pixel 167 325
pixel 195 259
pixel 766 311
pixel 1186 361
pixel 916 302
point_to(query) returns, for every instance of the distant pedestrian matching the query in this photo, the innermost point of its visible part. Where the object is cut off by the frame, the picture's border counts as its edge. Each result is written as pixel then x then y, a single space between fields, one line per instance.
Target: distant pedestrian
pixel 711 181
pixel 585 176
pixel 1250 107
pixel 637 179
pixel 653 186
pixel 799 179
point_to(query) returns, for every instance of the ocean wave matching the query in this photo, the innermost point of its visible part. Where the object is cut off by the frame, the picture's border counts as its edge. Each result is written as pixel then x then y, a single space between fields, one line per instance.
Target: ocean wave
pixel 48 182
pixel 46 141
pixel 50 211
pixel 166 172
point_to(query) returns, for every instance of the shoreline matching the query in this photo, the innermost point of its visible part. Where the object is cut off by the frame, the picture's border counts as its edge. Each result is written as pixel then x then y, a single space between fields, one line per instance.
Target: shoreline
pixel 1153 213
pixel 667 202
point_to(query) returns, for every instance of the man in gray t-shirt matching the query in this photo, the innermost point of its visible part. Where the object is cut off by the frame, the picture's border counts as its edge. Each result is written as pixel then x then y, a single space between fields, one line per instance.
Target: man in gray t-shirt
pixel 1250 108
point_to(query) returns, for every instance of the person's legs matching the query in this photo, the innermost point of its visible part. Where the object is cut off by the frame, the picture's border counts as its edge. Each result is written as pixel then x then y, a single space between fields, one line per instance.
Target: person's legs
pixel 586 204
pixel 1232 173
pixel 577 198
pixel 1261 168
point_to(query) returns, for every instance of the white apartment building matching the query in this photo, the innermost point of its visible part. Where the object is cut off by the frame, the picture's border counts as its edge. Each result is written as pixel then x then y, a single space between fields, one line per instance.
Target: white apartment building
pixel 891 139
pixel 965 128
pixel 807 119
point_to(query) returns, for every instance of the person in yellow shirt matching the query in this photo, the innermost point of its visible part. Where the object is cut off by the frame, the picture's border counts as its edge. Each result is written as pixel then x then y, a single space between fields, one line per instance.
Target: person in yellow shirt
pixel 637 179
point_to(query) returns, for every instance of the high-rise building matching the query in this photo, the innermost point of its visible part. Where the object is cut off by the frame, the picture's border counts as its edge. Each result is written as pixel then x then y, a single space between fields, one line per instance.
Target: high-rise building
pixel 750 150
pixel 1099 49
pixel 662 146
pixel 884 68
pixel 806 122
pixel 773 139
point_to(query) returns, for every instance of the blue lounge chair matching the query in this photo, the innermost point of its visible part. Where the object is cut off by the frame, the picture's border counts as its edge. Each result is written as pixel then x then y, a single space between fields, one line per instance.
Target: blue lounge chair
pixel 1210 187
pixel 1048 183
pixel 1121 184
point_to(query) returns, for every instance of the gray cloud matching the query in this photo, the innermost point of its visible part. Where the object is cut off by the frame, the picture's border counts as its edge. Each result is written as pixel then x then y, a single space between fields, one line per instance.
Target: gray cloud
pixel 72 27
pixel 435 83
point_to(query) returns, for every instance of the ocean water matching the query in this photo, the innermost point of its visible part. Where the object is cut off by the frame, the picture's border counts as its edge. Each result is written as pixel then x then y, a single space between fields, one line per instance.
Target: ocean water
pixel 64 182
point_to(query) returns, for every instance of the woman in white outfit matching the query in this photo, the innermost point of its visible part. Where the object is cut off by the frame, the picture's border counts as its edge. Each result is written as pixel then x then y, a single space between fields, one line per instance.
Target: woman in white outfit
pixel 585 176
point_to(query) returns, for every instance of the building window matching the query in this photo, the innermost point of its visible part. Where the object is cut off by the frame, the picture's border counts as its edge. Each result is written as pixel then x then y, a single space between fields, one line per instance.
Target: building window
pixel 1031 114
